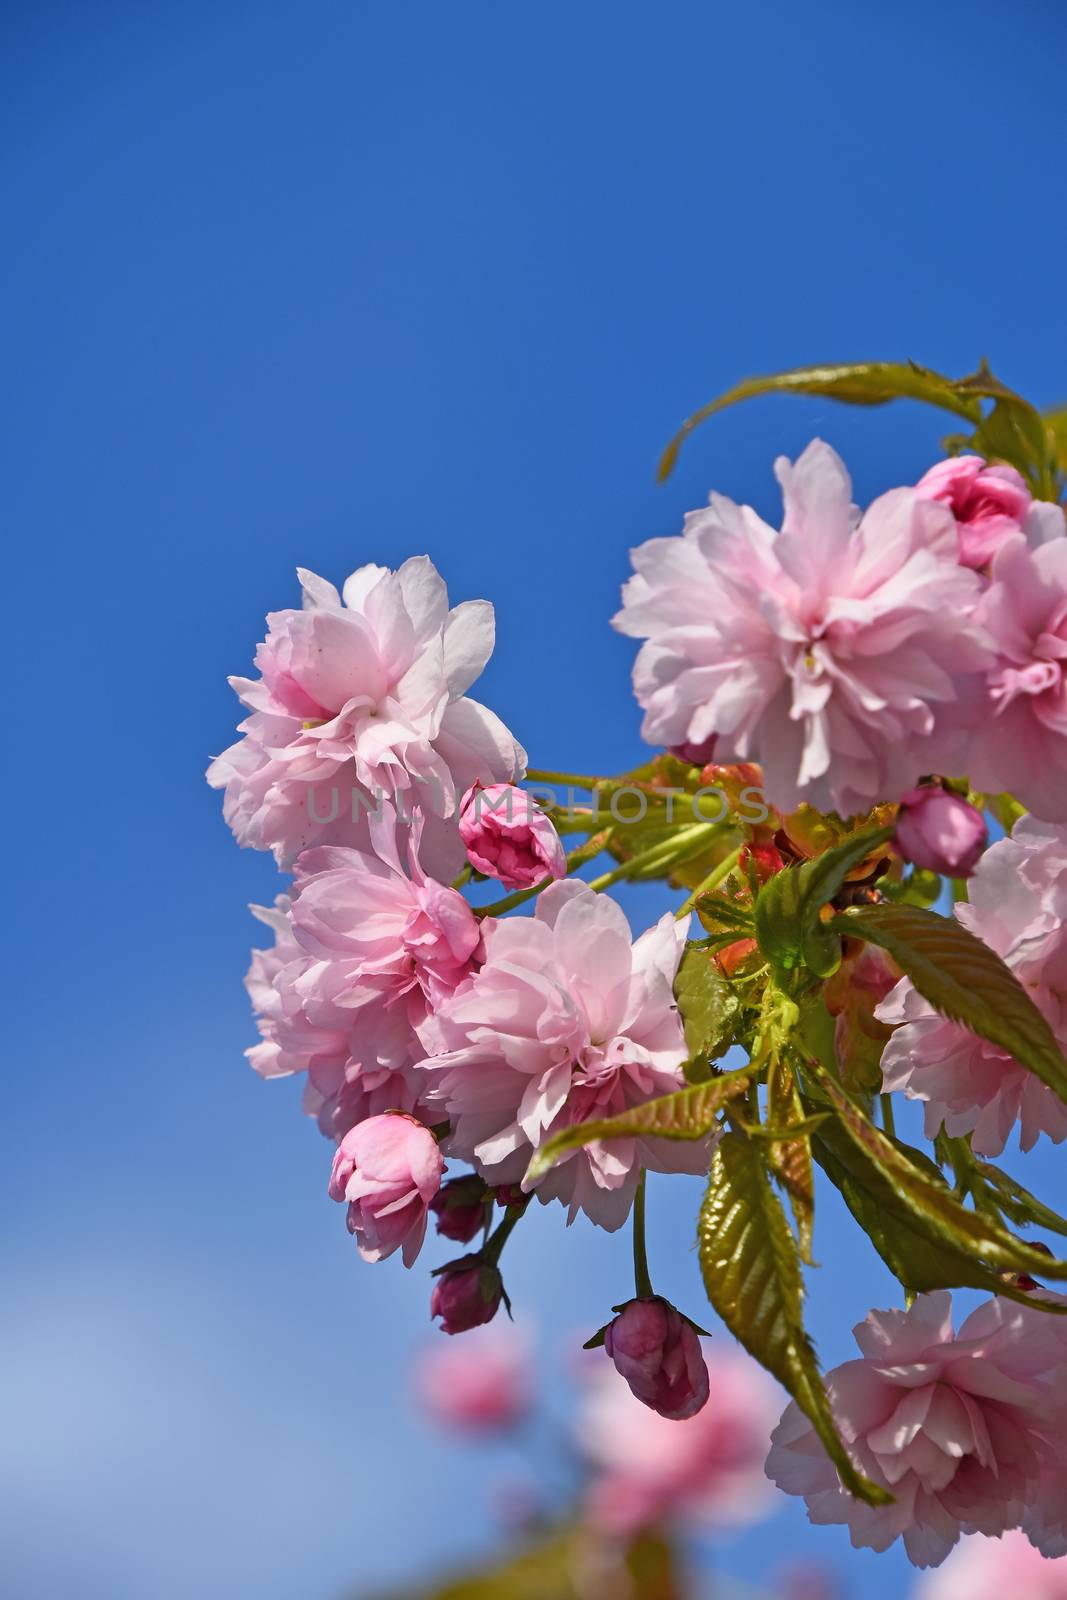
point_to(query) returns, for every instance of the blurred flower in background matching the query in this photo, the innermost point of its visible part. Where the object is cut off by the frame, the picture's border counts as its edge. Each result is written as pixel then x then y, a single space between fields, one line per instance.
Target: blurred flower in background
pixel 1008 1568
pixel 707 1470
pixel 481 1384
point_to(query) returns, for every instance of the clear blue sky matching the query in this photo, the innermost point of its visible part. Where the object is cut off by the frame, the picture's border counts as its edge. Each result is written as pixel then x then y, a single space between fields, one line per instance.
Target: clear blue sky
pixel 324 283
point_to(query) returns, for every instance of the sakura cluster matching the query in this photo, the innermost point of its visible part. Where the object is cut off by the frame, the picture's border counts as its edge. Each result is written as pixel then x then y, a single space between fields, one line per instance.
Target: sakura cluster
pixel 840 662
pixel 850 655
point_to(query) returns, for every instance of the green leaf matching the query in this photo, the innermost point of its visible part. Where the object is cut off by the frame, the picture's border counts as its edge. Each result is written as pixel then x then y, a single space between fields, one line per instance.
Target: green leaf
pixel 1056 425
pixel 707 1002
pixel 787 910
pixel 918 1260
pixel 556 1568
pixel 1024 1208
pixel 790 1157
pixel 964 980
pixel 1013 431
pixel 751 1272
pixel 685 1114
pixel 922 1196
pixel 865 383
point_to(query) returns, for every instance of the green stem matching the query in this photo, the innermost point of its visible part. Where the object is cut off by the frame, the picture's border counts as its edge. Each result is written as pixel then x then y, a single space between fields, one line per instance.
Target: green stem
pixel 642 1281
pixel 493 1246
pixel 660 853
pixel 716 876
pixel 574 780
pixel 889 1123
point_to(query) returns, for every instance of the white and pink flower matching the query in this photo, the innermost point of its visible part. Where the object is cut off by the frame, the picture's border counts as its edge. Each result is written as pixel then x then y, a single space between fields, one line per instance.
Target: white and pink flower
pixel 566 1020
pixel 362 695
pixel 829 652
pixel 1018 906
pixel 961 1427
pixel 300 1033
pixel 1019 741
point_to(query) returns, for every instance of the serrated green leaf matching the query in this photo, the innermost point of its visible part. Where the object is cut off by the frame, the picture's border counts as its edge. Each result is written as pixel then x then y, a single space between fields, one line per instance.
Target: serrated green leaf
pixel 964 980
pixel 865 383
pixel 787 909
pixel 707 1002
pixel 685 1114
pixel 1013 431
pixel 922 1195
pixel 790 1157
pixel 800 1129
pixel 1024 1208
pixel 751 1271
pixel 914 1257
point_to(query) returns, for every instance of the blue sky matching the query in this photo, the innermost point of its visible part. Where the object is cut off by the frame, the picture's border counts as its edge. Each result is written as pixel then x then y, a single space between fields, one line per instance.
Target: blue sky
pixel 326 283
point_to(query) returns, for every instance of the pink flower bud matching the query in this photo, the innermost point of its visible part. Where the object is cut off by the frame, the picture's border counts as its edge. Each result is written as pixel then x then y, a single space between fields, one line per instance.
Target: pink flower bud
pixel 659 1355
pixel 460 1208
pixel 697 755
pixel 940 831
pixel 509 838
pixel 466 1295
pixel 988 503
pixel 388 1169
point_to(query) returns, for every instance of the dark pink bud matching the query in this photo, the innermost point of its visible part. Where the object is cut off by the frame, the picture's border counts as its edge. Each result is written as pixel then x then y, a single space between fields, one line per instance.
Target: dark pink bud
pixel 466 1295
pixel 659 1355
pixel 510 1194
pixel 459 1207
pixel 697 755
pixel 940 831
pixel 509 838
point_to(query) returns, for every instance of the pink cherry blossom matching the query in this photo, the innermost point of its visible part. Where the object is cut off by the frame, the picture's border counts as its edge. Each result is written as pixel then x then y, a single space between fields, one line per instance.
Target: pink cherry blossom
pixel 388 1169
pixel 829 653
pixel 659 1355
pixel 303 1034
pixel 1019 738
pixel 1018 906
pixel 389 942
pixel 509 838
pixel 1008 1568
pixel 706 1470
pixel 940 831
pixel 481 1384
pixel 361 695
pixel 368 947
pixel 960 1427
pixel 990 504
pixel 565 1021
pixel 381 917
